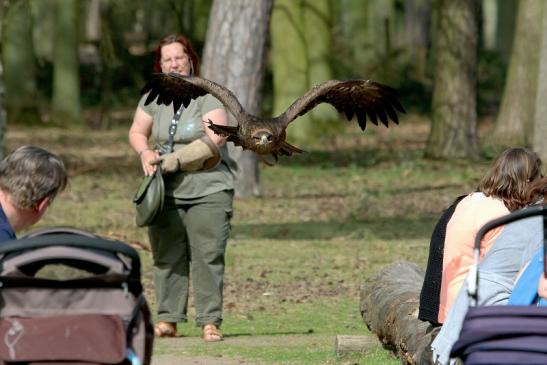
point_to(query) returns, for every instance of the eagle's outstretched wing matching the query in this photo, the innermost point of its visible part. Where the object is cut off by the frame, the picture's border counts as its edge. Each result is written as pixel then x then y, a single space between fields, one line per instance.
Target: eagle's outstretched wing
pixel 179 89
pixel 360 98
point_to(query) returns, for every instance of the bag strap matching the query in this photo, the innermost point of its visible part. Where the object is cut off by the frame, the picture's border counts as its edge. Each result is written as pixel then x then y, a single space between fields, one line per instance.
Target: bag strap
pixel 173 128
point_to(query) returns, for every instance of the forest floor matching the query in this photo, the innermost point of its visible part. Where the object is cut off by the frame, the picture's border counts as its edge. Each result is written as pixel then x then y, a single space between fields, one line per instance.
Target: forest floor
pixel 297 255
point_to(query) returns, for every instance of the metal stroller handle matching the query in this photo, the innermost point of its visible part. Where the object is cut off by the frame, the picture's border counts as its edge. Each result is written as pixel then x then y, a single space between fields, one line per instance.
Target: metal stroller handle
pixel 74 238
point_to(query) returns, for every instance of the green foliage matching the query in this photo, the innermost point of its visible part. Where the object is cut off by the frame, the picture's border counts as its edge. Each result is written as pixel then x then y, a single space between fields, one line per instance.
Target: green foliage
pixel 368 39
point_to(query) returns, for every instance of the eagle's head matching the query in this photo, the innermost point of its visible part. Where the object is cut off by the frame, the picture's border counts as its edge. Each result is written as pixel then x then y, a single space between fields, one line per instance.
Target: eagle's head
pixel 262 137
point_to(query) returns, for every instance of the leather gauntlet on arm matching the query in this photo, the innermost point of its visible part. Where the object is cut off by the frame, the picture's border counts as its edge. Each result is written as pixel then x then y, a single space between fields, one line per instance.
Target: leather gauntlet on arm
pixel 201 154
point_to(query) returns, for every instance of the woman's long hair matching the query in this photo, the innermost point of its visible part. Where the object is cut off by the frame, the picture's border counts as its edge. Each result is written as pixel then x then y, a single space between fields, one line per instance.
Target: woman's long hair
pixel 509 177
pixel 538 191
pixel 175 38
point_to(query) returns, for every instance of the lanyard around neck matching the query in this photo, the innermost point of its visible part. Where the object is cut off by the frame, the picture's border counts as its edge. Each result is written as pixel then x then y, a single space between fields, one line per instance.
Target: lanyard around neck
pixel 173 127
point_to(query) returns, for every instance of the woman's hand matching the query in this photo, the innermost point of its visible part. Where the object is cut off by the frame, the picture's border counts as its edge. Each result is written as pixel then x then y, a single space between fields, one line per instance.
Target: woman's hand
pixel 147 156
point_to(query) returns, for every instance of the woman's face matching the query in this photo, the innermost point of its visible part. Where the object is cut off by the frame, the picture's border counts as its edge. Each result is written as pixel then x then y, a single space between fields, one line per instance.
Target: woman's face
pixel 175 59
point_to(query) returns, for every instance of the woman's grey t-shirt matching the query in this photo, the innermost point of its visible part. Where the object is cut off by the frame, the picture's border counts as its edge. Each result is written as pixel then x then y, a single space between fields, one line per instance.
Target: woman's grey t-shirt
pixel 189 185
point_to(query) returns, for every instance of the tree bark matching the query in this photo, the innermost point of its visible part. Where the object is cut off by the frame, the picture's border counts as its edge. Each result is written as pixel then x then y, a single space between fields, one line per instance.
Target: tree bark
pixel 454 127
pixel 4 6
pixel 488 25
pixel 514 124
pixel 19 65
pixel 301 45
pixel 417 25
pixel 540 126
pixel 66 104
pixel 389 306
pixel 43 23
pixel 234 56
pixel 505 32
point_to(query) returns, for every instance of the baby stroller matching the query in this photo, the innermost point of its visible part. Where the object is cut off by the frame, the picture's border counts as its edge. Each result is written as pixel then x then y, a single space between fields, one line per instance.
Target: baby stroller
pixel 95 315
pixel 503 334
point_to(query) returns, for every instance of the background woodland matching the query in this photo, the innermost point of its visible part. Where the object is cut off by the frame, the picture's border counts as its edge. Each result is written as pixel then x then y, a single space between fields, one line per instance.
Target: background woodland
pixel 460 64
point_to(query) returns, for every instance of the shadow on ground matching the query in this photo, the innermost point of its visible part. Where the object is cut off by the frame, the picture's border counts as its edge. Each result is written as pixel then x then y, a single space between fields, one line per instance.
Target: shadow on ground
pixel 361 157
pixel 409 228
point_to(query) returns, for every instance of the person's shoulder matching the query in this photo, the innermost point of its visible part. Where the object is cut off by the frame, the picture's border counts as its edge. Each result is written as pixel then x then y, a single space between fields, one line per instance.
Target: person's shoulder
pixel 488 202
pixel 149 107
pixel 6 232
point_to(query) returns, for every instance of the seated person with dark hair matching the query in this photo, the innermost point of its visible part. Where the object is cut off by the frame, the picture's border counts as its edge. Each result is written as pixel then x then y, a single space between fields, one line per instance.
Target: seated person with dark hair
pixel 502 190
pixel 498 272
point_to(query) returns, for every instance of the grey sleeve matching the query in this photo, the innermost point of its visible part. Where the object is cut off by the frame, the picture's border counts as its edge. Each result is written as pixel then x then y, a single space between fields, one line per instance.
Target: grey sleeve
pixel 533 232
pixel 210 103
pixel 450 331
pixel 151 108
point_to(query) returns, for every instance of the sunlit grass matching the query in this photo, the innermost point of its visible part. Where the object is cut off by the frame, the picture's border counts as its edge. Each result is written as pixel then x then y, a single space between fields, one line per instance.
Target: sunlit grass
pixel 297 255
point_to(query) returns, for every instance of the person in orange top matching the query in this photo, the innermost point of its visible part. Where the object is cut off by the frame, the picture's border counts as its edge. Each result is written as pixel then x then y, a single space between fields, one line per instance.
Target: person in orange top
pixel 503 190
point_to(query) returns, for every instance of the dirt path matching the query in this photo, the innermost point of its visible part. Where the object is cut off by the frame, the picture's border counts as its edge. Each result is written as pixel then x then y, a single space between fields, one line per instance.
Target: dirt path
pixel 172 351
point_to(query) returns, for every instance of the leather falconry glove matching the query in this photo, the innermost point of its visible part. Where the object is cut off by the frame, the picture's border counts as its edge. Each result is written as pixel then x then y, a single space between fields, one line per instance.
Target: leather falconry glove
pixel 201 154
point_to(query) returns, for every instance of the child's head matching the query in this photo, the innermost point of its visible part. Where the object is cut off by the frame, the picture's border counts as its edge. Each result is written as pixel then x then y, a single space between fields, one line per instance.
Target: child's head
pixel 509 177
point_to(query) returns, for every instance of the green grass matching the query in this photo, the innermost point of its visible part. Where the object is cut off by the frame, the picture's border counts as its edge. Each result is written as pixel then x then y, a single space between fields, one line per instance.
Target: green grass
pixel 297 255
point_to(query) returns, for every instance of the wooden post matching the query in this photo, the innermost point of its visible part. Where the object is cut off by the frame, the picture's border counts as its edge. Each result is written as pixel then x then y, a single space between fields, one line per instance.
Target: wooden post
pixel 346 344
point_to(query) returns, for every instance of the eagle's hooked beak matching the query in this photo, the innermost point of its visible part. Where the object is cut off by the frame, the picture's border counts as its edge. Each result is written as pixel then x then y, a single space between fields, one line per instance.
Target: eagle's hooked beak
pixel 263 138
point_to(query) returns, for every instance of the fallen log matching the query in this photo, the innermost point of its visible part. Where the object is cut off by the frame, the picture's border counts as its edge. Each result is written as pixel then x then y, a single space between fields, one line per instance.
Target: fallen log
pixel 389 307
pixel 348 344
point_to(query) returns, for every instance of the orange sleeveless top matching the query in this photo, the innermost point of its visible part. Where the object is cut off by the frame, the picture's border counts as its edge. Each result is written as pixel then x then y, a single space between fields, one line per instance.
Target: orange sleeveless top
pixel 470 215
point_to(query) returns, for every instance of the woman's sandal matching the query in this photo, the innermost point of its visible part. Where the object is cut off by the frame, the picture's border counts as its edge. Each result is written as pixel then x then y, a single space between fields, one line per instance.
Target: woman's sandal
pixel 165 329
pixel 211 333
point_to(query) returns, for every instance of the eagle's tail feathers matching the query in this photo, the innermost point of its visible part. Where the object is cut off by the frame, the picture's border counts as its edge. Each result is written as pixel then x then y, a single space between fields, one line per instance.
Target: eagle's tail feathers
pixel 287 149
pixel 269 163
pixel 223 130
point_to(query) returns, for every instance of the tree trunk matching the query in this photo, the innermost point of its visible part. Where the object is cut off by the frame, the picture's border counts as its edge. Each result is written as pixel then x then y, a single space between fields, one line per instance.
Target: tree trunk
pixel 234 57
pixel 19 65
pixel 43 24
pixel 289 55
pixel 4 6
pixel 352 20
pixel 505 33
pixel 514 124
pixel 454 127
pixel 540 126
pixel 66 105
pixel 301 44
pixel 317 17
pixel 389 306
pixel 488 24
pixel 417 24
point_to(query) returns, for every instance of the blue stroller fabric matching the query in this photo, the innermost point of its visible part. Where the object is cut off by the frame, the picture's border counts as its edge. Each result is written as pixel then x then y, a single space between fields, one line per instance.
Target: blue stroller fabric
pixel 525 290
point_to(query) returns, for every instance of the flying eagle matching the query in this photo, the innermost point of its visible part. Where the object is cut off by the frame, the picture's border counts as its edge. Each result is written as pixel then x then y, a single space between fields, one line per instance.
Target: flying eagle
pixel 360 98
